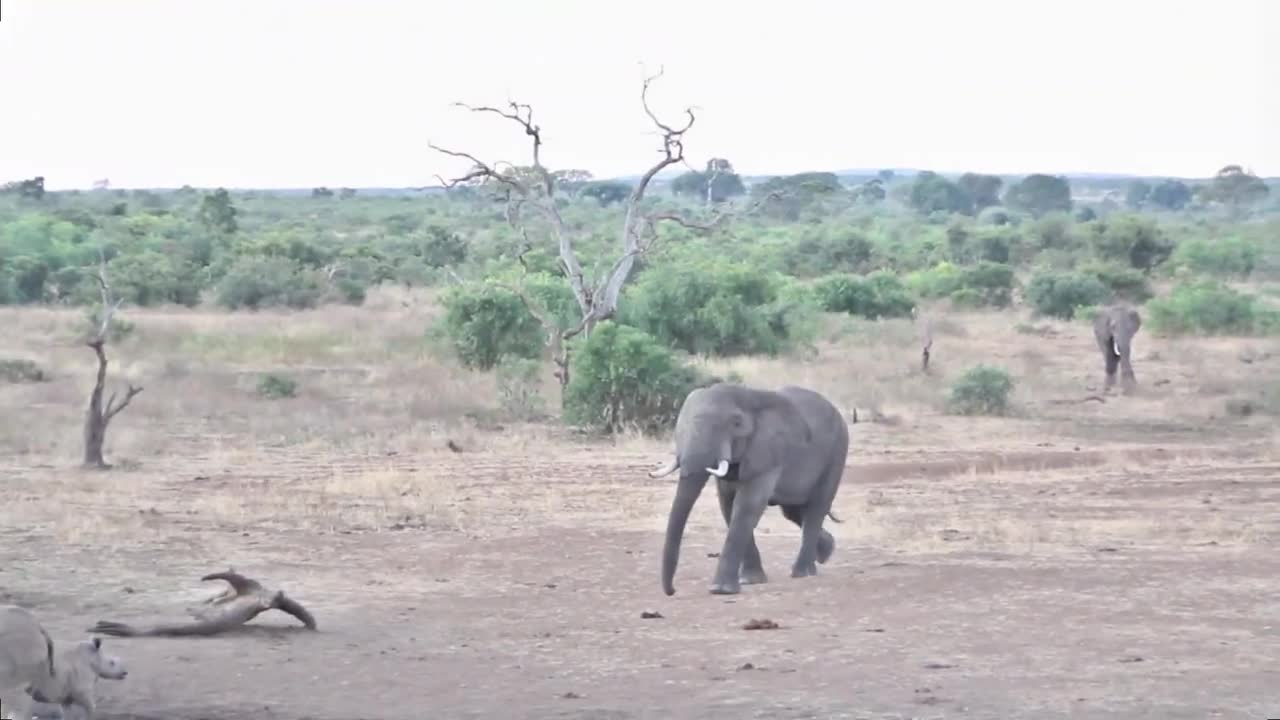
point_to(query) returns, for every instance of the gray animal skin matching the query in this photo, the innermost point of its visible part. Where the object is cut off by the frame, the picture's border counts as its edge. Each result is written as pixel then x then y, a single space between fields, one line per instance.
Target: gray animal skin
pixel 34 673
pixel 786 448
pixel 1114 328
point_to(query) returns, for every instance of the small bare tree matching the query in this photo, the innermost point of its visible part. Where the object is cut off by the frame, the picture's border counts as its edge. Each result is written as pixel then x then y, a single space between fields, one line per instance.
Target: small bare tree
pixel 99 415
pixel 535 186
pixel 924 325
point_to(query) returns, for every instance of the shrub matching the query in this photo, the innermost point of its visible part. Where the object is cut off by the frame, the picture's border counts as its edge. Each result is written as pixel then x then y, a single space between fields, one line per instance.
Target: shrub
pixel 823 250
pixel 1211 308
pixel 985 284
pixel 20 370
pixel 981 390
pixel 966 298
pixel 1123 282
pixel 878 295
pixel 938 281
pixel 151 278
pixel 1226 256
pixel 992 282
pixel 1133 240
pixel 486 323
pixel 623 377
pixel 254 281
pixel 720 308
pixel 275 387
pixel 519 384
pixel 1059 294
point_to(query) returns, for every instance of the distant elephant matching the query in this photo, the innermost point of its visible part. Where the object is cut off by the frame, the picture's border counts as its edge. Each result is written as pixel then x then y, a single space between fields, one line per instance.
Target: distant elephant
pixel 1114 328
pixel 785 448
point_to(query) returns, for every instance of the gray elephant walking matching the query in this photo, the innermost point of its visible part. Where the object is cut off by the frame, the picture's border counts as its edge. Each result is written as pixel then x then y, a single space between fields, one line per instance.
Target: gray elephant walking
pixel 785 448
pixel 1114 328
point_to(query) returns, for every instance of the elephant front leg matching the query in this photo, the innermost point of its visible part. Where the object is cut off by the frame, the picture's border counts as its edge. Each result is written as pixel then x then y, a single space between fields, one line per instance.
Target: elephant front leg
pixel 1112 362
pixel 749 503
pixel 752 566
pixel 1128 381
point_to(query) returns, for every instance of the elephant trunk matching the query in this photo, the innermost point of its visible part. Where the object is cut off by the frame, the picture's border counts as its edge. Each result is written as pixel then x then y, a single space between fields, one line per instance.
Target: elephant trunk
pixel 687 492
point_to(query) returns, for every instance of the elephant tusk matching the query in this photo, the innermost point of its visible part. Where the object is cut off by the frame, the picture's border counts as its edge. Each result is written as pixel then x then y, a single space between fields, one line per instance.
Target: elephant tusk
pixel 1116 346
pixel 720 470
pixel 666 470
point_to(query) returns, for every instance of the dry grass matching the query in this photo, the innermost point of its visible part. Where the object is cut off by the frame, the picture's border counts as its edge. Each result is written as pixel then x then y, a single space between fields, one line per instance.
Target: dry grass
pixel 390 460
pixel 364 444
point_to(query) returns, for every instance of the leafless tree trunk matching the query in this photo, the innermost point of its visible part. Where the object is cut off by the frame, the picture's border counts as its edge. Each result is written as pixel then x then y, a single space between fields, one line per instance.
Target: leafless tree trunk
pixel 926 338
pixel 598 300
pixel 99 415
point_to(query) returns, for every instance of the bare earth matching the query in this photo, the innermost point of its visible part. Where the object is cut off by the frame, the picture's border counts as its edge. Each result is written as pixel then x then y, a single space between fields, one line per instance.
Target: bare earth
pixel 1113 559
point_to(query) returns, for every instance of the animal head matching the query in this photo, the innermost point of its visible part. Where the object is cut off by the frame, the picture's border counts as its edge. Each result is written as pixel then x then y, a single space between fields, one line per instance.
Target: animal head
pixel 103 664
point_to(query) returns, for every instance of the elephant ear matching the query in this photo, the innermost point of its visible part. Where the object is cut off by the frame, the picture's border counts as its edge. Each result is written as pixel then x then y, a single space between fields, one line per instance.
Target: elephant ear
pixel 1135 319
pixel 780 429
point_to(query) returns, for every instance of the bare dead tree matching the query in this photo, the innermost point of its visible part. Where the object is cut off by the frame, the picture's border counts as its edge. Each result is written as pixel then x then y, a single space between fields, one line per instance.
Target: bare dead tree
pixel 99 415
pixel 597 300
pixel 926 338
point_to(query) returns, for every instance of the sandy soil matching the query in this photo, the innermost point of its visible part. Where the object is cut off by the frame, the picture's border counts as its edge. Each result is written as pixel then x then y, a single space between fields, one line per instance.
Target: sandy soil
pixel 1114 591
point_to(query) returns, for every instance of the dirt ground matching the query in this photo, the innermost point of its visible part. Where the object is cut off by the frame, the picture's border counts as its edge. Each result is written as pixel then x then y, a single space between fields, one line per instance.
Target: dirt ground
pixel 1114 559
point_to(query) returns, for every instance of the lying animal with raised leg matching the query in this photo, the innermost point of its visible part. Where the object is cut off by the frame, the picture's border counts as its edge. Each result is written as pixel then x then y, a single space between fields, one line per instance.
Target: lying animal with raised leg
pixel 786 448
pixel 1113 329
pixel 235 606
pixel 34 671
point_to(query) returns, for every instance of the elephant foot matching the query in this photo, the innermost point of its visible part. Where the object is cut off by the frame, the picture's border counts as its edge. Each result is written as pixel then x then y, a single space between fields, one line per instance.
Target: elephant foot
pixel 754 577
pixel 826 546
pixel 804 570
pixel 725 589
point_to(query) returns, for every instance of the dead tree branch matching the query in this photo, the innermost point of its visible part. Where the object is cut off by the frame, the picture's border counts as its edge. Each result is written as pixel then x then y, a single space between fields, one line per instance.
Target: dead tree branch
pixel 926 337
pixel 98 415
pixel 598 300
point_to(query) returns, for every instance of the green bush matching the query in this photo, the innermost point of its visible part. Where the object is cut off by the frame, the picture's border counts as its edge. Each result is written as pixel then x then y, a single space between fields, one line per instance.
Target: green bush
pixel 718 307
pixel 938 281
pixel 622 377
pixel 878 295
pixel 486 323
pixel 21 370
pixel 1059 294
pixel 966 298
pixel 981 390
pixel 254 282
pixel 1208 307
pixel 1124 283
pixel 152 278
pixel 1229 256
pixel 1132 240
pixel 987 284
pixel 275 387
pixel 991 281
pixel 519 388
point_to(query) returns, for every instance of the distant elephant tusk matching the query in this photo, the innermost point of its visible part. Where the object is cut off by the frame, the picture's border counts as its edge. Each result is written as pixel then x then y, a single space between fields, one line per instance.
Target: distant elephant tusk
pixel 1116 346
pixel 666 470
pixel 720 470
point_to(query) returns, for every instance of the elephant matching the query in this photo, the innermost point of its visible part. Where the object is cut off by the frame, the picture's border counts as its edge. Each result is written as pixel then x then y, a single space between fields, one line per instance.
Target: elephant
pixel 1114 328
pixel 763 447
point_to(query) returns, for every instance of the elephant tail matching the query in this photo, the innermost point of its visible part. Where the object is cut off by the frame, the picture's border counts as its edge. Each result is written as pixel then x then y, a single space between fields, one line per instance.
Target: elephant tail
pixel 833 517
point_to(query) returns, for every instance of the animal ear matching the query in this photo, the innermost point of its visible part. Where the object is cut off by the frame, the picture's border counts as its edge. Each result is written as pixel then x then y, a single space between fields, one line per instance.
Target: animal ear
pixel 779 429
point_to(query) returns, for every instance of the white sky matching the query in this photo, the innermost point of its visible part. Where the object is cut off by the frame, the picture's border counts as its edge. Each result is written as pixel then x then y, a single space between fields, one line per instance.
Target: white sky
pixel 299 93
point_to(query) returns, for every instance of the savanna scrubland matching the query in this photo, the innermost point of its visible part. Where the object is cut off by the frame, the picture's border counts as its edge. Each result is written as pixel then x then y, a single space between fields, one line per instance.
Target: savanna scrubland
pixel 389 404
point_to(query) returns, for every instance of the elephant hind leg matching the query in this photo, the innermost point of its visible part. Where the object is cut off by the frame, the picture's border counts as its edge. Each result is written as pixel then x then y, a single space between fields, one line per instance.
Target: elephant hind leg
pixel 826 543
